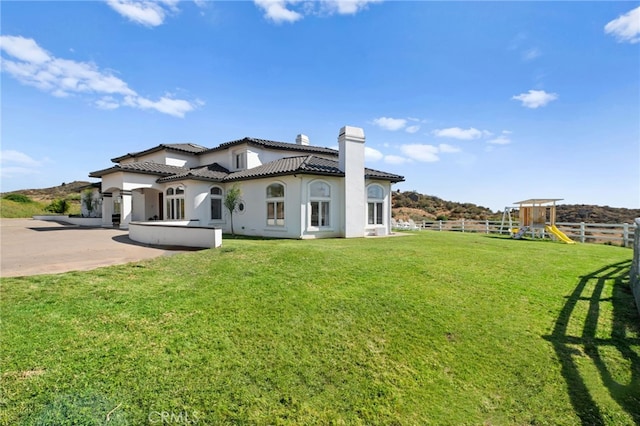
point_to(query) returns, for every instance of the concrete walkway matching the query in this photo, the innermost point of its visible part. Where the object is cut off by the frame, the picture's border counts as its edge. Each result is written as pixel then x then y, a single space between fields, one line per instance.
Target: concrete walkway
pixel 33 247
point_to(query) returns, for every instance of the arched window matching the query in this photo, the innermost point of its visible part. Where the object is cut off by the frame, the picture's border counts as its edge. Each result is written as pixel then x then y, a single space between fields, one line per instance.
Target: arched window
pixel 375 205
pixel 215 195
pixel 175 203
pixel 275 204
pixel 320 199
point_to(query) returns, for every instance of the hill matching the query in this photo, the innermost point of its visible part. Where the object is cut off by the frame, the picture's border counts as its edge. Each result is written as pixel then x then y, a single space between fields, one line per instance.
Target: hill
pixel 413 205
pixel 65 190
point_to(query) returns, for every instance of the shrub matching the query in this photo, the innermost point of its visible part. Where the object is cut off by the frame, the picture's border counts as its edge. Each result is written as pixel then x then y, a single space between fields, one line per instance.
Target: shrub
pixel 59 206
pixel 18 198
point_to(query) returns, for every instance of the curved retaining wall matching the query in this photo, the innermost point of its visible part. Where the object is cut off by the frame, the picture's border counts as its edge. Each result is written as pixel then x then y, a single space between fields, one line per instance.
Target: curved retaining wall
pixel 80 221
pixel 175 234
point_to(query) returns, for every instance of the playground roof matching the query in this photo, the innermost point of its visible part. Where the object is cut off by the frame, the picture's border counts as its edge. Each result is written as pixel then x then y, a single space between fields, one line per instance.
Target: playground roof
pixel 538 201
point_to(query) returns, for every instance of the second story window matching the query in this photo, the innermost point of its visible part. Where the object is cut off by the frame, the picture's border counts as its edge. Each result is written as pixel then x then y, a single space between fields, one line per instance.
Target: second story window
pixel 240 160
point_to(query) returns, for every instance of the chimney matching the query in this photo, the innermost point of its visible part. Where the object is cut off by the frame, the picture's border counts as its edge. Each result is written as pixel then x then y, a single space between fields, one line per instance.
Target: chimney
pixel 351 162
pixel 302 139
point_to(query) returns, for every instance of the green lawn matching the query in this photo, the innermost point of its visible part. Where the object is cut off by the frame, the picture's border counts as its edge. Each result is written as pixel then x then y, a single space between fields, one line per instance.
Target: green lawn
pixel 430 328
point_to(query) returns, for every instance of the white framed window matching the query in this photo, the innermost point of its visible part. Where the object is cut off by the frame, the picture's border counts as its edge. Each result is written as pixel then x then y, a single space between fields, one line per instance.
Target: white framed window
pixel 375 205
pixel 240 160
pixel 215 197
pixel 320 203
pixel 275 204
pixel 175 203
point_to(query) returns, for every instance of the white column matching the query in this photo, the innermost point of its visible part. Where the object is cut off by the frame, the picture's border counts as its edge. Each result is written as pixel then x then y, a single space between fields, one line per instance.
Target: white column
pixel 351 159
pixel 125 209
pixel 107 209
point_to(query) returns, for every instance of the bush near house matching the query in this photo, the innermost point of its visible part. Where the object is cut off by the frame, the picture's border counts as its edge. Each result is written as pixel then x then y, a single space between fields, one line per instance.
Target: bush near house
pixel 429 328
pixel 59 206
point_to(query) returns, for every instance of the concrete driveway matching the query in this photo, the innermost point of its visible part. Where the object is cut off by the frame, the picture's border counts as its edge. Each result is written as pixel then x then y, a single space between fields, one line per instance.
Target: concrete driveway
pixel 33 247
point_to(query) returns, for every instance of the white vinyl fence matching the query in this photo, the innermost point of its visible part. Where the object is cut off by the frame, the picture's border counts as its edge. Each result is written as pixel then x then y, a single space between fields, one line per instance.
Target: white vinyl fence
pixel 621 234
pixel 634 274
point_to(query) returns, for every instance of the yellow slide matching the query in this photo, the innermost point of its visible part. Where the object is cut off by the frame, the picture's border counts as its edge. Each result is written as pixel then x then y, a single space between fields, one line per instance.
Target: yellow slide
pixel 558 233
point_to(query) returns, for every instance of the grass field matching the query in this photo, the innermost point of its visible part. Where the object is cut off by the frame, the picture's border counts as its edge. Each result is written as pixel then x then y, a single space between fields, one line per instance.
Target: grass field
pixel 430 328
pixel 13 210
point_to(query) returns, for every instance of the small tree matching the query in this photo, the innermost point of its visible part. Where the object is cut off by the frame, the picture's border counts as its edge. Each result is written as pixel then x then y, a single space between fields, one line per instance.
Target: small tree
pixel 60 206
pixel 88 201
pixel 231 201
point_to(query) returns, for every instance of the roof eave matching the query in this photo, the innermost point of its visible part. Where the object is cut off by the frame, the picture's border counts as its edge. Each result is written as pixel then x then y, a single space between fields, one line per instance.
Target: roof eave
pixel 100 173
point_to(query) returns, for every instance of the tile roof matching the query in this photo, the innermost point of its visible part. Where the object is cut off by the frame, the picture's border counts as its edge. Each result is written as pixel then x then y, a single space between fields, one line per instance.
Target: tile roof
pixel 141 167
pixel 264 143
pixel 306 164
pixel 377 174
pixel 212 172
pixel 189 148
pixel 309 164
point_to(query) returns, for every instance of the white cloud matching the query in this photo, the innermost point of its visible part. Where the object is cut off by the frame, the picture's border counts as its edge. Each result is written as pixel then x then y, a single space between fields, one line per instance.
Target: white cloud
pixel 421 152
pixel 535 98
pixel 502 139
pixel 372 154
pixel 166 105
pixel 412 129
pixel 449 149
pixel 396 159
pixel 16 163
pixel 145 12
pixel 458 133
pixel 11 156
pixel 388 123
pixel 625 28
pixel 33 66
pixel 347 7
pixel 531 54
pixel 276 10
pixel 24 49
pixel 280 11
pixel 107 102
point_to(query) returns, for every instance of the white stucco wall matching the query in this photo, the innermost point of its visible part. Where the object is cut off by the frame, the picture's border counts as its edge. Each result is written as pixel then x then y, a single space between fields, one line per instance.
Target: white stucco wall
pixel 253 220
pixel 167 157
pixel 163 234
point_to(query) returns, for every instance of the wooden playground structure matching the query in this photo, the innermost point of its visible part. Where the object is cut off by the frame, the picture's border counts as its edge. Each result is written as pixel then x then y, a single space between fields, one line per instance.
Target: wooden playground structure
pixel 536 218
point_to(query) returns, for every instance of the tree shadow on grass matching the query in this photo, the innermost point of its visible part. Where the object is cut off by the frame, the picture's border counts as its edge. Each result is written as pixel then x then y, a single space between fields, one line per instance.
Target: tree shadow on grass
pixel 625 332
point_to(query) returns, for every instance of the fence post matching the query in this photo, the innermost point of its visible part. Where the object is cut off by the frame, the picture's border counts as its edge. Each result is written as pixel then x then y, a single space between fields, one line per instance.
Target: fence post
pixel 625 234
pixel 486 226
pixel 462 224
pixel 439 225
pixel 582 234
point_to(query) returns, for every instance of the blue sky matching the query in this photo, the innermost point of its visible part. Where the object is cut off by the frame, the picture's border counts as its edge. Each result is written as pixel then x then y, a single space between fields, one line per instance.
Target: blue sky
pixel 482 102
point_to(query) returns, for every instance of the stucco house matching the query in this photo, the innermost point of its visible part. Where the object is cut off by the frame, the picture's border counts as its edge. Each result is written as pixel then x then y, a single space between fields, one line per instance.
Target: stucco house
pixel 288 190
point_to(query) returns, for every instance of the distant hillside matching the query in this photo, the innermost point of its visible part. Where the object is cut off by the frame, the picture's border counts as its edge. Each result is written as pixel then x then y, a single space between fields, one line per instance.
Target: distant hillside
pixel 65 190
pixel 595 214
pixel 413 205
pixel 416 206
